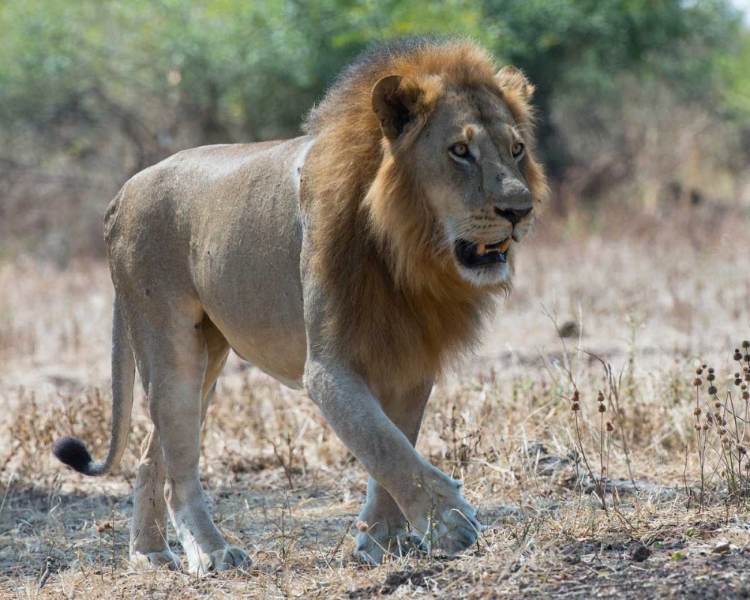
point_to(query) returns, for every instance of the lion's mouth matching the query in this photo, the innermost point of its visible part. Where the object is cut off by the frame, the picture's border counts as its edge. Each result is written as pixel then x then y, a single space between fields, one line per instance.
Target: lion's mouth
pixel 477 255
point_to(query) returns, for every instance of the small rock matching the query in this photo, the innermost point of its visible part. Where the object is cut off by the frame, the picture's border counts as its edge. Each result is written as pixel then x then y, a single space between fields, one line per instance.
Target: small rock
pixel 640 553
pixel 508 512
pixel 538 457
pixel 721 548
pixel 569 329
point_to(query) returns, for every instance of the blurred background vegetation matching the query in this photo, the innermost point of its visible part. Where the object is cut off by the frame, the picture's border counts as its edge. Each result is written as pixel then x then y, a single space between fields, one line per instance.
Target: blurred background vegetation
pixel 644 104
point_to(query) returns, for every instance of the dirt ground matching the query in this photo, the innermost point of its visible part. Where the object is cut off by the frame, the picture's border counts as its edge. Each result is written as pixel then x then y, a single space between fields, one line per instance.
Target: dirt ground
pixel 653 298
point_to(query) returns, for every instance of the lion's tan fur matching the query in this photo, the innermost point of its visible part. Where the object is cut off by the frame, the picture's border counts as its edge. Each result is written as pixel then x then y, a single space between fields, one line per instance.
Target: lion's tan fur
pixel 395 309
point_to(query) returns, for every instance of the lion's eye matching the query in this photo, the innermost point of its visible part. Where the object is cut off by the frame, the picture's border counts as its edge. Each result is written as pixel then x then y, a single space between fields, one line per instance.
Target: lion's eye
pixel 517 150
pixel 460 150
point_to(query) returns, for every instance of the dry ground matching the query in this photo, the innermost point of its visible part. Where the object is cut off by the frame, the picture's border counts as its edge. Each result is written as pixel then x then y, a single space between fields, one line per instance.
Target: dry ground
pixel 649 296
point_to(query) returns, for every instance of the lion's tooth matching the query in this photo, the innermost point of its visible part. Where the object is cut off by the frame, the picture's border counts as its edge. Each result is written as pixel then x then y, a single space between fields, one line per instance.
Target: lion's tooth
pixel 481 249
pixel 504 246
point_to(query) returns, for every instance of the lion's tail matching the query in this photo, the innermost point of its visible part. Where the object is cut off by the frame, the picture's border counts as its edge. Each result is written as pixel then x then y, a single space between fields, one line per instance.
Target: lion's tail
pixel 72 451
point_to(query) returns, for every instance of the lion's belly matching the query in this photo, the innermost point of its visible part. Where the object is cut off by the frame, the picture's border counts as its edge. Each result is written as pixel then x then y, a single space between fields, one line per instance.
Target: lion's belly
pixel 266 330
pixel 245 261
pixel 277 351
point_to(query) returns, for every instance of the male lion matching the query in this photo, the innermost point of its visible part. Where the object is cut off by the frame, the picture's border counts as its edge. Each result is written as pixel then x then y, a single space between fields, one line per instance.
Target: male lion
pixel 354 261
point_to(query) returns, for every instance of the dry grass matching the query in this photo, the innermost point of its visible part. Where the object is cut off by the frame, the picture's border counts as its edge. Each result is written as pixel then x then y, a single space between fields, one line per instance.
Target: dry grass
pixel 651 304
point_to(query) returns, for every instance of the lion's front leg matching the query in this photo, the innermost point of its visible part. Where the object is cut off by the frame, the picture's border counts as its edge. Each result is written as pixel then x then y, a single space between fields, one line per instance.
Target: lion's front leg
pixel 430 500
pixel 387 531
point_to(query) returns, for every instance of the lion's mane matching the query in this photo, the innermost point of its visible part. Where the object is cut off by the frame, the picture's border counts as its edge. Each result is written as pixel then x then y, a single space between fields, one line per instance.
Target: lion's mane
pixel 393 305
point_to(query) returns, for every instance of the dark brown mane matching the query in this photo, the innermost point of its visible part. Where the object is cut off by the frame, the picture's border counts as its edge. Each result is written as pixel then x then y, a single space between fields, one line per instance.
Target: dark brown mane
pixel 392 307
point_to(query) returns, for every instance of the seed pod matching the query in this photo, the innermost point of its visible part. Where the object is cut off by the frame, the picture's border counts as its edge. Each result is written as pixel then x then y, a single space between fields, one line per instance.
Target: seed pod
pixel 711 370
pixel 737 380
pixel 746 344
pixel 712 389
pixel 743 386
pixel 610 427
pixel 705 426
pixel 705 366
pixel 699 371
pixel 746 358
pixel 600 397
pixel 722 431
pixel 741 449
pixel 575 407
pixel 697 426
pixel 697 382
pixel 725 441
pixel 710 377
pixel 602 408
pixel 576 395
pixel 717 404
pixel 746 395
pixel 362 526
pixel 737 354
pixel 697 411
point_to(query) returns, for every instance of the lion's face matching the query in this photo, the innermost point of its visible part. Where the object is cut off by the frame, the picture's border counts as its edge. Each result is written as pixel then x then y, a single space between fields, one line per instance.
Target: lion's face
pixel 469 160
pixel 472 159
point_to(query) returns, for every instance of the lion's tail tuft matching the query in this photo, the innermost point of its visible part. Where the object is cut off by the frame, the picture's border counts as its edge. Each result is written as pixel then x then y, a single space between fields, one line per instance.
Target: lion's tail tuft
pixel 74 453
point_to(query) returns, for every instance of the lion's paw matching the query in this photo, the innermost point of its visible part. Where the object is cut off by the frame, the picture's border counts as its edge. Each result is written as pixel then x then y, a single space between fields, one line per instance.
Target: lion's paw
pixel 156 560
pixel 224 559
pixel 444 519
pixel 230 557
pixel 458 530
pixel 372 550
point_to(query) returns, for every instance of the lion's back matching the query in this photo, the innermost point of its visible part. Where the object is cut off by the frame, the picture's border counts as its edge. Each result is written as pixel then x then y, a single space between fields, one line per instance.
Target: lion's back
pixel 151 197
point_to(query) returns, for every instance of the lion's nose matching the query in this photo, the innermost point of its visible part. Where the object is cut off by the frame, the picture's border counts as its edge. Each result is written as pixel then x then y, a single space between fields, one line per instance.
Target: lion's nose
pixel 513 215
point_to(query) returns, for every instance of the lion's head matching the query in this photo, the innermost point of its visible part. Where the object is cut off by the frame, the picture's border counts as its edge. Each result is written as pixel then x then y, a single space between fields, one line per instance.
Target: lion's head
pixel 463 150
pixel 425 169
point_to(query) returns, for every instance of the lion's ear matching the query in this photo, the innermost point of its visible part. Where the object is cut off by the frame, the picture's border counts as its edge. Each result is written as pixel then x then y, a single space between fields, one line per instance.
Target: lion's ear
pixel 394 101
pixel 511 78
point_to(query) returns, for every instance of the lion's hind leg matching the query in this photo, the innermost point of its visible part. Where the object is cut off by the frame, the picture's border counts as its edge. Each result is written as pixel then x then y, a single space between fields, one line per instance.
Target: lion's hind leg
pixel 178 364
pixel 148 540
pixel 148 530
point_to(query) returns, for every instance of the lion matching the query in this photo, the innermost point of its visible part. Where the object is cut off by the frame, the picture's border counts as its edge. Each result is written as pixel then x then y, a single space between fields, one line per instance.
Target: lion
pixel 356 262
